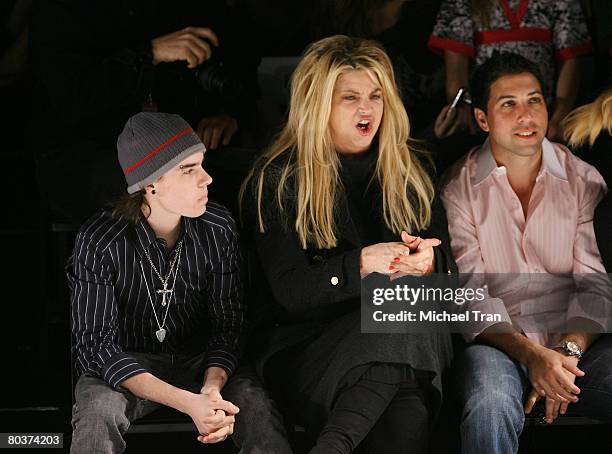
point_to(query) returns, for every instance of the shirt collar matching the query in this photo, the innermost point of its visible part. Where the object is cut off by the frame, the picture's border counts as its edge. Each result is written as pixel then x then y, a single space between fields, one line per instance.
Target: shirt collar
pixel 486 165
pixel 145 234
pixel 188 227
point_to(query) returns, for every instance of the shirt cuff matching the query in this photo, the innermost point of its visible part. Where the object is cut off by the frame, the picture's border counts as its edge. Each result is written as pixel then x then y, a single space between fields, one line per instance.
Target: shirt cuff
pixel 221 358
pixel 119 368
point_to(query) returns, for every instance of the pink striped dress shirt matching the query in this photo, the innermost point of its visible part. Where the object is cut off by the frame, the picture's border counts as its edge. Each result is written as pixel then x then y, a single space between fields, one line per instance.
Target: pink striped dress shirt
pixel 490 234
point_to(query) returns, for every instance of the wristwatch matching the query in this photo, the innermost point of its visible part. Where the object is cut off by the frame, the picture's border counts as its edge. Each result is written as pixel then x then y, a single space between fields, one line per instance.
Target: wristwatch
pixel 570 348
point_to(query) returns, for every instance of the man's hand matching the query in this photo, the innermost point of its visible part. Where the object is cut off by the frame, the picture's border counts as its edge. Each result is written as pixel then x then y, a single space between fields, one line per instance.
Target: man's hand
pixel 213 416
pixel 447 122
pixel 552 374
pixel 463 119
pixel 188 44
pixel 553 408
pixel 211 130
pixel 221 434
pixel 217 436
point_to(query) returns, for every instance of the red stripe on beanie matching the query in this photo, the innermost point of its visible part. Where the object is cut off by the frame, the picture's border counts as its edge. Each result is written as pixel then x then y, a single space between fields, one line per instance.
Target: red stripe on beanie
pixel 157 150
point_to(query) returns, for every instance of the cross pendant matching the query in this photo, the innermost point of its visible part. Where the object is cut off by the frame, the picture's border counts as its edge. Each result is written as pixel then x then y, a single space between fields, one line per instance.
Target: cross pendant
pixel 164 292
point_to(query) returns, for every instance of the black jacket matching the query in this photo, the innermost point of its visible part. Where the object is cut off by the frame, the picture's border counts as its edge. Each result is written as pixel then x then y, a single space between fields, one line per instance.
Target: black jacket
pixel 312 286
pixel 600 156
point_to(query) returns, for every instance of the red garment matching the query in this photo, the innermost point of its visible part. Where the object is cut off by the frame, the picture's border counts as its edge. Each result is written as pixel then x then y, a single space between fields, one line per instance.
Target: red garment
pixel 536 29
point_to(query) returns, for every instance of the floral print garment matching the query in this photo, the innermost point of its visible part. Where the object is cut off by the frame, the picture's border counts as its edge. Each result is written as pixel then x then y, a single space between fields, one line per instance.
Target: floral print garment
pixel 537 29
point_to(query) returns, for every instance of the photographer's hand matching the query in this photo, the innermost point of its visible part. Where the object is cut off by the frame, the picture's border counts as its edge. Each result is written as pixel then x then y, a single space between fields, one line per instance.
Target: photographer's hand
pixel 188 44
pixel 216 128
pixel 447 122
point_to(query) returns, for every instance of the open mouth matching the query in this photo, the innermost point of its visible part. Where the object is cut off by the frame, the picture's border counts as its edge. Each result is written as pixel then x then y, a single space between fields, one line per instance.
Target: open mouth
pixel 525 134
pixel 364 127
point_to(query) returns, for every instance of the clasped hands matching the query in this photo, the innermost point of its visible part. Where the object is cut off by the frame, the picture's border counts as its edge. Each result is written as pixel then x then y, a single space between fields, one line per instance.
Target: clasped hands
pixel 552 376
pixel 413 255
pixel 213 416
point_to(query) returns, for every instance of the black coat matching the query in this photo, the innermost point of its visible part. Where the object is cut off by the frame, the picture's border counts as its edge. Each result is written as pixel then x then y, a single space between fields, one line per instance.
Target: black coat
pixel 600 156
pixel 313 287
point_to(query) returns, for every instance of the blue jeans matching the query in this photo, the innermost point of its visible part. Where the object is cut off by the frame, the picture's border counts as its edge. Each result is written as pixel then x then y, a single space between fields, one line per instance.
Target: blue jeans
pixel 491 389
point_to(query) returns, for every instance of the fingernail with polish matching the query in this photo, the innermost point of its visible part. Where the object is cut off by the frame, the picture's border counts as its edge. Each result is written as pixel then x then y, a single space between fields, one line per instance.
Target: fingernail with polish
pixel 391 267
pixel 396 259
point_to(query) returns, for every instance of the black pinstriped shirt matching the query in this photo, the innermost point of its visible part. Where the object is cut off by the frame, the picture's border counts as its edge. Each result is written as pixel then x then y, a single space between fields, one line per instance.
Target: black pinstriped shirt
pixel 111 311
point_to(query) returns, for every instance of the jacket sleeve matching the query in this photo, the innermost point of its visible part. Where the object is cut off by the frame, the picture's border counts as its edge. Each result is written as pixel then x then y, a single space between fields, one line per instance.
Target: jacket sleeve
pixel 438 228
pixel 303 286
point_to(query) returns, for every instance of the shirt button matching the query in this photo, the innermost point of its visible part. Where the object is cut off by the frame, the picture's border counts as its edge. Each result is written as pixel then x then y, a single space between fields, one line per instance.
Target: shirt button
pixel 334 280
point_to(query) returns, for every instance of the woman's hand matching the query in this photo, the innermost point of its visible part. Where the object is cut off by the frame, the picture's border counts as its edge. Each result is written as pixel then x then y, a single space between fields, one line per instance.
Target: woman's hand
pixel 382 257
pixel 414 255
pixel 421 259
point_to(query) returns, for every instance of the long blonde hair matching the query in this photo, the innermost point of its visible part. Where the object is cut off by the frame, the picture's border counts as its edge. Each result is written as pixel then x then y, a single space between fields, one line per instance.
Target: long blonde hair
pixel 586 122
pixel 313 160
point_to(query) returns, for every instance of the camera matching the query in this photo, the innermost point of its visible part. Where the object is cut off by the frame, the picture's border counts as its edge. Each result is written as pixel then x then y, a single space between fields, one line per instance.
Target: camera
pixel 215 78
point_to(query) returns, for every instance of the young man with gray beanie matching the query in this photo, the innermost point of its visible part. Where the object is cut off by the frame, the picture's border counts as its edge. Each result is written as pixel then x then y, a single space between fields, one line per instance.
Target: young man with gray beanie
pixel 157 305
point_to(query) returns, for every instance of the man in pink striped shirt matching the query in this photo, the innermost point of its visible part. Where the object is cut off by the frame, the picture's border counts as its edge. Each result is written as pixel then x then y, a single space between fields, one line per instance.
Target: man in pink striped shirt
pixel 521 204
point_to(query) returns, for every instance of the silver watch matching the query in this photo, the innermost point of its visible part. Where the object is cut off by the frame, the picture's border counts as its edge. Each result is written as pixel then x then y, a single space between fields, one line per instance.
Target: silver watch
pixel 570 348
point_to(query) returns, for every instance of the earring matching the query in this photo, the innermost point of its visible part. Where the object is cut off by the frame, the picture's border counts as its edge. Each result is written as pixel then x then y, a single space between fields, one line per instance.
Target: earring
pixel 153 192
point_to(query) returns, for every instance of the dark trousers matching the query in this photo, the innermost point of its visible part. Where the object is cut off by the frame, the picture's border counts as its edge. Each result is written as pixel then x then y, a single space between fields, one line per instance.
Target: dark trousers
pixel 373 416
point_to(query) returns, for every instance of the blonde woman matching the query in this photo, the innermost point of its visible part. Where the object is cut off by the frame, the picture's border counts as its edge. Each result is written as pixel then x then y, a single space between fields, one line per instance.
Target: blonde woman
pixel 588 132
pixel 339 194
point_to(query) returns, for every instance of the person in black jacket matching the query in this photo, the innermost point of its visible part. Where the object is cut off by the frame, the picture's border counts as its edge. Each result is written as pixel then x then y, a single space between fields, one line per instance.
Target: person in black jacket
pixel 588 130
pixel 98 63
pixel 341 194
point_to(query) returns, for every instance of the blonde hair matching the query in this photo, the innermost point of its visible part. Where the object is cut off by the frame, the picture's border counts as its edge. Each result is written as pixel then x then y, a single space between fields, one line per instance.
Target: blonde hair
pixel 313 160
pixel 586 122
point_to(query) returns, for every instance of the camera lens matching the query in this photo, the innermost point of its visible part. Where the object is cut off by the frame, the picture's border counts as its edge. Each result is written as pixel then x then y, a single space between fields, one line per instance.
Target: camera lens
pixel 216 80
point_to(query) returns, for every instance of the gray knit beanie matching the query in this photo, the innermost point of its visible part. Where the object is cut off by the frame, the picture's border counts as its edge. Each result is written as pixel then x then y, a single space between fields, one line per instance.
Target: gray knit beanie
pixel 151 144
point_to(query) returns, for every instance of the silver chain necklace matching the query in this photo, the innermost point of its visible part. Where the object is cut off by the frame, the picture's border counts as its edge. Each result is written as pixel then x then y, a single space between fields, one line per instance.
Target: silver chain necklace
pixel 174 266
